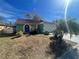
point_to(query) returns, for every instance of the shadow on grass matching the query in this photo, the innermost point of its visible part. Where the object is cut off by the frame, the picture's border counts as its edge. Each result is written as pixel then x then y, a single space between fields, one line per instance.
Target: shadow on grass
pixel 59 46
pixel 72 54
pixel 59 49
pixel 7 35
pixel 15 37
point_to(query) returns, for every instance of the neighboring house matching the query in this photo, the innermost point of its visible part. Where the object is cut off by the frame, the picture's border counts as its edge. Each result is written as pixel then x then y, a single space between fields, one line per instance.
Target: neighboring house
pixel 1 27
pixel 29 25
pixel 7 28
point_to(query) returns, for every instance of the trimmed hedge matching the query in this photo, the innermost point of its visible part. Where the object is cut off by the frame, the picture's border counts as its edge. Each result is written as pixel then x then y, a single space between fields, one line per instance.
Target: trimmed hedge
pixel 46 33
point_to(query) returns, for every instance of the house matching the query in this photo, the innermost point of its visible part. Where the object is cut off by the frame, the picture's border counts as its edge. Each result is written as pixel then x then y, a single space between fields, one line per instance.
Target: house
pixel 49 26
pixel 1 27
pixel 28 25
pixel 4 28
pixel 34 25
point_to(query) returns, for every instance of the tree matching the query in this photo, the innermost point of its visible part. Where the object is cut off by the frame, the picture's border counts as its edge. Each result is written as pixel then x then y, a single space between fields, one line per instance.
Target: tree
pixel 32 16
pixel 73 26
pixel 61 26
pixel 29 16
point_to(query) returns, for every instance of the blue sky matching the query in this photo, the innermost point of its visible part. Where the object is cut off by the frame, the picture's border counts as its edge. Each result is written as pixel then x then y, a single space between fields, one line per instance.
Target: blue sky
pixel 46 9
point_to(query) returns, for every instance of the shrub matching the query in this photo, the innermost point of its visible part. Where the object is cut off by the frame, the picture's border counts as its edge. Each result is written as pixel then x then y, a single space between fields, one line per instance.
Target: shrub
pixel 20 33
pixel 46 33
pixel 57 45
pixel 33 32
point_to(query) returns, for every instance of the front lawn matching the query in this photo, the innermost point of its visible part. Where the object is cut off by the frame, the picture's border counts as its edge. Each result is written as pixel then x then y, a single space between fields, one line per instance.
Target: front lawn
pixel 31 47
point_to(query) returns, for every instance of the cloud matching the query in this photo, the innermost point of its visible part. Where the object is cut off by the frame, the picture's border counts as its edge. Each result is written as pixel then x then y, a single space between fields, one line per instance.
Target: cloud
pixel 58 17
pixel 4 14
pixel 8 11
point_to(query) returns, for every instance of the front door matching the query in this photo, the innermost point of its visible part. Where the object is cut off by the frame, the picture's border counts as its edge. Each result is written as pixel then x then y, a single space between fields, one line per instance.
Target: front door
pixel 26 28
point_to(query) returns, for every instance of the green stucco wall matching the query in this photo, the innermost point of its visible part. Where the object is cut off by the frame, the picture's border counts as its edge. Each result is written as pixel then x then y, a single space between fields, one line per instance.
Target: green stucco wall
pixel 40 28
pixel 32 28
pixel 19 27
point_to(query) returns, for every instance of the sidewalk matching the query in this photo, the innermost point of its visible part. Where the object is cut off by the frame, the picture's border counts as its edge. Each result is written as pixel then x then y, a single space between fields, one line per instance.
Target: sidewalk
pixel 74 38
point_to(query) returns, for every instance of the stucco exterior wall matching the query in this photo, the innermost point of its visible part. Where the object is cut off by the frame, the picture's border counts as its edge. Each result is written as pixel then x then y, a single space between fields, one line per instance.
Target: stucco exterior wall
pixel 2 27
pixel 8 30
pixel 49 27
pixel 19 27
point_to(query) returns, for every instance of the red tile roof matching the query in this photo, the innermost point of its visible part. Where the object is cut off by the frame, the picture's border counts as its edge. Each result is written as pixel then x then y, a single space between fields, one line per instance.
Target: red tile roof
pixel 27 21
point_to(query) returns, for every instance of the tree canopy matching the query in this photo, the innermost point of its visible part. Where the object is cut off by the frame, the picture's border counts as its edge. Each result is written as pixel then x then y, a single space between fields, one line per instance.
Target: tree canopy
pixel 72 24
